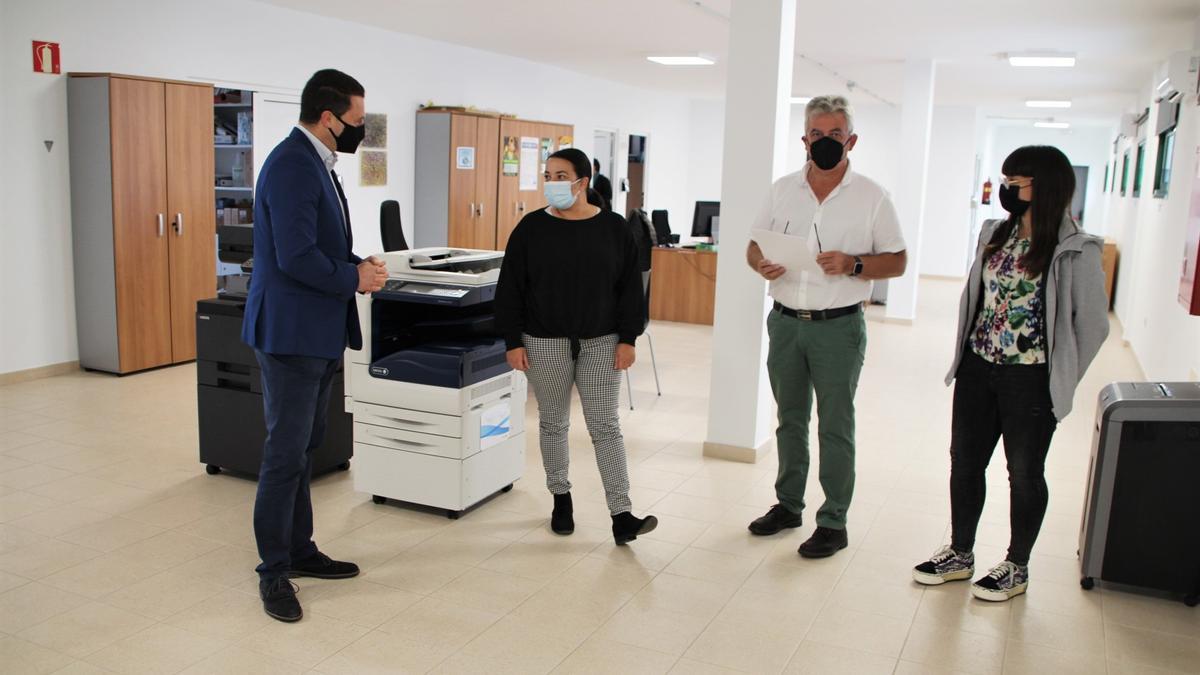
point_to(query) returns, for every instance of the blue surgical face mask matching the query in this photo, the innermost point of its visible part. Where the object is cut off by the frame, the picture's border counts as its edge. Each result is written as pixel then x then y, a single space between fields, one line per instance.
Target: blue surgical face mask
pixel 558 193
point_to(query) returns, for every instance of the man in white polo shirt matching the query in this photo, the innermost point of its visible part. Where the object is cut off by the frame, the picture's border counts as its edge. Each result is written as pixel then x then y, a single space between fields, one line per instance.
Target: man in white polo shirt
pixel 817 329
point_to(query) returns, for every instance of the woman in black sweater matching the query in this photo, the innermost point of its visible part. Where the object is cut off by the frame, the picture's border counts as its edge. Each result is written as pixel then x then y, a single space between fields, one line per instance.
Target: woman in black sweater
pixel 570 305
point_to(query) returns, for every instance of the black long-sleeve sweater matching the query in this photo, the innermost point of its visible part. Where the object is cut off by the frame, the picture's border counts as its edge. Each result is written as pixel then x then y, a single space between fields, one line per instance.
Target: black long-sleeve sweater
pixel 574 279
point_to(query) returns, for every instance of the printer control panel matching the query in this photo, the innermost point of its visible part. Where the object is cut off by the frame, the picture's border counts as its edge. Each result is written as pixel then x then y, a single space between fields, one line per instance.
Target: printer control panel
pixel 440 294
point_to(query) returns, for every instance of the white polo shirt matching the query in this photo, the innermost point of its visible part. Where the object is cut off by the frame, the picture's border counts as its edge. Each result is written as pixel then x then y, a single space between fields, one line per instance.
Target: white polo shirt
pixel 857 218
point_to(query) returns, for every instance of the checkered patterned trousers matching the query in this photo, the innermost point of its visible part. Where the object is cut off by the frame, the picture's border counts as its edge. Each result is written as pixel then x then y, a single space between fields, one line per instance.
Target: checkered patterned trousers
pixel 552 373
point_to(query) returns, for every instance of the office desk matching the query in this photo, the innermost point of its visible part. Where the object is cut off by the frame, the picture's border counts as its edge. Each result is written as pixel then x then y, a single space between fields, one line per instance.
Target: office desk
pixel 1108 261
pixel 683 285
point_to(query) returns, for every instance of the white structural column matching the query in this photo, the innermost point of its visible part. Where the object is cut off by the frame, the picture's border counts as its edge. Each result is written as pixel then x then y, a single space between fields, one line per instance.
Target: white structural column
pixel 757 117
pixel 916 118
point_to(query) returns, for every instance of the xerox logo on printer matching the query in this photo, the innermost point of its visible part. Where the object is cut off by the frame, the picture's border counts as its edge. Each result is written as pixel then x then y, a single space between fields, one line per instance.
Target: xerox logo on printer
pixel 379 371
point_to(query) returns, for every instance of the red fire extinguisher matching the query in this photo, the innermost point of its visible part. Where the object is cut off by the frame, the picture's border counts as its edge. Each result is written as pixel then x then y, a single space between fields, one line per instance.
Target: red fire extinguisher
pixel 987 191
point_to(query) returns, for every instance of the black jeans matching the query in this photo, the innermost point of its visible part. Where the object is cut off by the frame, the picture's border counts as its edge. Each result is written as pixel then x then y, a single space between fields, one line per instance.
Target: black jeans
pixel 993 401
pixel 296 400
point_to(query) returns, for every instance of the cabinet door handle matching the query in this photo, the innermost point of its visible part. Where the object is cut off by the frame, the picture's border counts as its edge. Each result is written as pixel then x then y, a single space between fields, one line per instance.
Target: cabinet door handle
pixel 161 221
pixel 480 212
pixel 179 224
pixel 473 213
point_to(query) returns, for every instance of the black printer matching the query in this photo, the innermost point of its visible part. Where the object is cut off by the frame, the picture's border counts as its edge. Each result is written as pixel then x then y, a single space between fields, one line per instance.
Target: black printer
pixel 229 382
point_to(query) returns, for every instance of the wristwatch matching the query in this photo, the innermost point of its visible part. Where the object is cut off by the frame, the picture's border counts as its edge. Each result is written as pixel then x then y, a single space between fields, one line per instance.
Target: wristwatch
pixel 857 267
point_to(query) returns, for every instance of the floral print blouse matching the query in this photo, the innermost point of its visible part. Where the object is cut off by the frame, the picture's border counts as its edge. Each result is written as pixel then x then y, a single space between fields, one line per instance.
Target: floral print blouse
pixel 1011 325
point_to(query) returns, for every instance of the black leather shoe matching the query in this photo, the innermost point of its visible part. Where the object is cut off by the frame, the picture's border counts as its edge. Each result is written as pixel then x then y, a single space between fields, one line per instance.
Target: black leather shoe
pixel 321 566
pixel 562 520
pixel 279 599
pixel 776 520
pixel 627 527
pixel 824 543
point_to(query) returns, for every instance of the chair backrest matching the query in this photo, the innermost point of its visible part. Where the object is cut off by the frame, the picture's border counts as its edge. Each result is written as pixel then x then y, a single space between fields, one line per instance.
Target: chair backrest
pixel 390 230
pixel 662 227
pixel 643 236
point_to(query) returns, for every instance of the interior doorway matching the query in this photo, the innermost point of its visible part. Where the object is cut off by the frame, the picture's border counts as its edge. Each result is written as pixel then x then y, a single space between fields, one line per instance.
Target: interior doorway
pixel 1079 199
pixel 636 173
pixel 604 151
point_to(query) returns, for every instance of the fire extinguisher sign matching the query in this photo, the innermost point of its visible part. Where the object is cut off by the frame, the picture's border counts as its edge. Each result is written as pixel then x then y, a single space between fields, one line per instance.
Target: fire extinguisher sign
pixel 46 58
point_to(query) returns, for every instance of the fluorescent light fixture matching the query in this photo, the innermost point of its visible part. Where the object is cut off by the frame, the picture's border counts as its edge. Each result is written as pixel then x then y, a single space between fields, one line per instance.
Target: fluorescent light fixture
pixel 1052 125
pixel 691 60
pixel 1047 104
pixel 1041 60
pixel 801 100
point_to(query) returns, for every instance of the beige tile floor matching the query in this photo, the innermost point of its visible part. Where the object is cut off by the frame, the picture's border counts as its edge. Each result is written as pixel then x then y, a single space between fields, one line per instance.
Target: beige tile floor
pixel 118 553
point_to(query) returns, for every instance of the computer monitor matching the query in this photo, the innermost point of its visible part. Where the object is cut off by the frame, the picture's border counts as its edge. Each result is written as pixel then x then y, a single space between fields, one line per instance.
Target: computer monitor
pixel 702 218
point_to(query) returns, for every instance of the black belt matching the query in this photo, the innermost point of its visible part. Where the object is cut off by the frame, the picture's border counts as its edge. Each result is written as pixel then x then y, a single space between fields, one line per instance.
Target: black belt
pixel 818 314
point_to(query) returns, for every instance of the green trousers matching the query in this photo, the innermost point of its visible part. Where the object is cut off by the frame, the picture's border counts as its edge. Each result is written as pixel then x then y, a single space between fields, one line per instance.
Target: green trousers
pixel 824 357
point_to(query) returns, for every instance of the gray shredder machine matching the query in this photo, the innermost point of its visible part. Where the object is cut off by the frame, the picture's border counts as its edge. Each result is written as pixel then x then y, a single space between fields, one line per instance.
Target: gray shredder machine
pixel 1141 520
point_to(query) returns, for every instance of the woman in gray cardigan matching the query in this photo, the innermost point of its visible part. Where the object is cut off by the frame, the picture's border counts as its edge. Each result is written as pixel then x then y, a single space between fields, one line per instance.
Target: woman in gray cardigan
pixel 1032 317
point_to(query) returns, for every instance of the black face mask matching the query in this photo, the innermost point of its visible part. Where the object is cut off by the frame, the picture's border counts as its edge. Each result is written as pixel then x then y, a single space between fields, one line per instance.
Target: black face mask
pixel 1011 202
pixel 350 138
pixel 826 153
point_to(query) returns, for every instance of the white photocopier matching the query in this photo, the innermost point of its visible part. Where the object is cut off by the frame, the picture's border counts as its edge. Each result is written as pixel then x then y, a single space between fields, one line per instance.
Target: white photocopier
pixel 439 416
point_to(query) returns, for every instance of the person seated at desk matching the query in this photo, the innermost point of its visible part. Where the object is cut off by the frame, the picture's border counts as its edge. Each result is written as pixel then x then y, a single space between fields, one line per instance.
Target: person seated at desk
pixel 570 306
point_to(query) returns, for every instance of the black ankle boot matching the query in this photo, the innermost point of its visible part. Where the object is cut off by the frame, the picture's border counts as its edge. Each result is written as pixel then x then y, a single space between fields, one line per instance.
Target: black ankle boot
pixel 562 520
pixel 627 527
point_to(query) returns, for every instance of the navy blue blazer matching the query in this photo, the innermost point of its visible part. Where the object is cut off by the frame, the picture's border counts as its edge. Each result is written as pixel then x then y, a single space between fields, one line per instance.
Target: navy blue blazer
pixel 301 300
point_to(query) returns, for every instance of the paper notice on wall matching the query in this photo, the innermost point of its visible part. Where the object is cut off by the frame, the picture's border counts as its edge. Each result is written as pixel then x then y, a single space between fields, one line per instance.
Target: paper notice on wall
pixel 495 425
pixel 464 158
pixel 510 160
pixel 529 163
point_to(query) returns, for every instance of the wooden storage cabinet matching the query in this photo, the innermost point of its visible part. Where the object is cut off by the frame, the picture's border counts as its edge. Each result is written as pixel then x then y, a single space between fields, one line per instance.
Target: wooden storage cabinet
pixel 456 201
pixel 514 203
pixel 141 210
pixel 472 204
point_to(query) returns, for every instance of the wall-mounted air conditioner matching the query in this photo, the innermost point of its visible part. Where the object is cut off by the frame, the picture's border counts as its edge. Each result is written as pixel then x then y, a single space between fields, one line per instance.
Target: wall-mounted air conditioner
pixel 1180 75
pixel 1129 125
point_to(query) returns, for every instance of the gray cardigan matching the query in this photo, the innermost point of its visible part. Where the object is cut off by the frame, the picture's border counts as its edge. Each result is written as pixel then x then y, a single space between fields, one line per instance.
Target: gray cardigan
pixel 1076 309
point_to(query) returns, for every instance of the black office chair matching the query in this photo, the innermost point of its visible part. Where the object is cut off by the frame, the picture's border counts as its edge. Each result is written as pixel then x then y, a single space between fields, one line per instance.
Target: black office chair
pixel 662 229
pixel 389 227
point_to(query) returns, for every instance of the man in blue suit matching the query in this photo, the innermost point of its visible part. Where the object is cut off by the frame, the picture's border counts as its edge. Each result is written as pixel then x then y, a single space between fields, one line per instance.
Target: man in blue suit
pixel 300 315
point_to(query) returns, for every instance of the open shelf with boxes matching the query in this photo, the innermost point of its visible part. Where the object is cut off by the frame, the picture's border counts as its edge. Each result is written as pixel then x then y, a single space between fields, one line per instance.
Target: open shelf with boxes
pixel 233 140
pixel 233 166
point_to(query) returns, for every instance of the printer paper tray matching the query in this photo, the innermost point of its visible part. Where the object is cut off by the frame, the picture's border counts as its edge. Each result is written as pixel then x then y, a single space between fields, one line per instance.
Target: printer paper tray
pixel 409 420
pixel 410 441
pixel 438 481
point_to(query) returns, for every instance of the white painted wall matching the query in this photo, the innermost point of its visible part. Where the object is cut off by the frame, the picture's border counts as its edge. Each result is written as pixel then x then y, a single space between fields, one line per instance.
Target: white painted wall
pixel 757 121
pixel 263 46
pixel 707 150
pixel 952 152
pixel 1150 234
